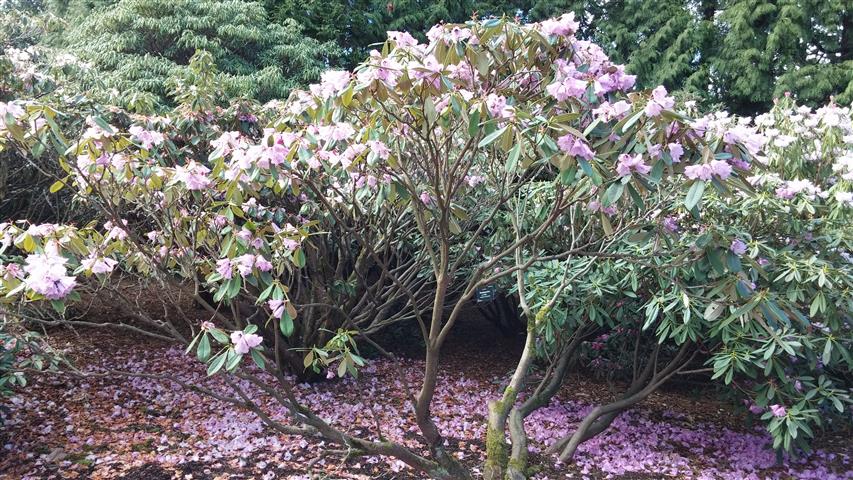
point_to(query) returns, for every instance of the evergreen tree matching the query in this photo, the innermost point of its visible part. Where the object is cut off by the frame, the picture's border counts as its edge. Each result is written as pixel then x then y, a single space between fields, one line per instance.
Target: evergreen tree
pixel 137 46
pixel 359 25
pixel 769 47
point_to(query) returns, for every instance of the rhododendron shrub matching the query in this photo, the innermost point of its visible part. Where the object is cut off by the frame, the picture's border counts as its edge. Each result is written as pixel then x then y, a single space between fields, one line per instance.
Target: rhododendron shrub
pixel 757 289
pixel 432 171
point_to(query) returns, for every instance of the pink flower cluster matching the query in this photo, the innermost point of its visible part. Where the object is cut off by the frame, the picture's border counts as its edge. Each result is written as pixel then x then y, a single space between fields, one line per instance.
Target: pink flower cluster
pixel 244 263
pixel 147 138
pixel 792 188
pixel 563 26
pixel 192 175
pixel 575 146
pixel 98 265
pixel 631 164
pixel 659 102
pixel 243 342
pixel 12 109
pixel 46 274
pixel 705 171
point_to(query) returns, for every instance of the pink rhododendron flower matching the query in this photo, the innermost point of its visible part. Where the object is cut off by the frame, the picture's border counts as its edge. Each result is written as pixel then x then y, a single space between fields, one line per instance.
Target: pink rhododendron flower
pixel 243 342
pixel 331 82
pixel 225 268
pixel 659 102
pixel 474 180
pixel 497 106
pixel 115 232
pixel 676 151
pixel 455 34
pixel 277 307
pixel 567 88
pixel 670 224
pixel 705 171
pixel 10 271
pixel 47 275
pixel 631 163
pixel 11 108
pixel 618 81
pixel 746 136
pixel 193 175
pixel 563 26
pixel 98 265
pixel 380 149
pixel 245 263
pixel 226 142
pixel 844 198
pixel 402 39
pixel 575 146
pixel 778 410
pixel 262 264
pixel 425 197
pixel 792 188
pixel 207 325
pixel 595 206
pixel 290 244
pixel 244 234
pixel 738 247
pixel 147 138
pixel 721 168
pixel 610 111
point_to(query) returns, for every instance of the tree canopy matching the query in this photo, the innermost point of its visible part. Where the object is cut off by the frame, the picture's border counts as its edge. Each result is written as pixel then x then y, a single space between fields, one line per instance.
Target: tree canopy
pixel 738 53
pixel 136 47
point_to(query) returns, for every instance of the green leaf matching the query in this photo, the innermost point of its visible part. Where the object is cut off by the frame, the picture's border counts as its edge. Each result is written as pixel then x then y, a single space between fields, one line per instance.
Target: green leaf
pixel 258 358
pixel 203 351
pixel 233 359
pixel 429 110
pixel 613 193
pixel 59 306
pixel 191 345
pixel 827 352
pixel 474 123
pixel 219 336
pixel 103 124
pixel 631 121
pixel 605 223
pixel 713 310
pixel 715 261
pixel 491 137
pixel 309 359
pixel 57 186
pixel 733 262
pixel 299 258
pixel 512 159
pixel 694 195
pixel 286 325
pixel 216 364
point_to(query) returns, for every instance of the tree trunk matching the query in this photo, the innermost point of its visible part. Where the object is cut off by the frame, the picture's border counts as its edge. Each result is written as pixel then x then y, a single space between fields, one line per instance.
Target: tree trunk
pixel 496 445
pixel 548 387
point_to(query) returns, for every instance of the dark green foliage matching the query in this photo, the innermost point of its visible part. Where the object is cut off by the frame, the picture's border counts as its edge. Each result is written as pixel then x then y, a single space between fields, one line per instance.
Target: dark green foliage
pixel 358 25
pixel 740 53
pixel 137 46
pixel 769 47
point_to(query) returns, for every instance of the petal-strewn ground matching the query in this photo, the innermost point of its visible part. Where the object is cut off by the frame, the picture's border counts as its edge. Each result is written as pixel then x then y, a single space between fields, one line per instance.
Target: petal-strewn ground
pixel 144 428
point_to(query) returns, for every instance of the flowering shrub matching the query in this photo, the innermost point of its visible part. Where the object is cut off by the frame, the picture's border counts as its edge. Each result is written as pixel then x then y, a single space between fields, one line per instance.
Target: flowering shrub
pixel 397 191
pixel 759 288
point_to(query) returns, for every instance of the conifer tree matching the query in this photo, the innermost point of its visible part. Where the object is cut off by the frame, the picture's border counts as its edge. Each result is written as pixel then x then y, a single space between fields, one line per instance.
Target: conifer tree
pixel 137 46
pixel 769 47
